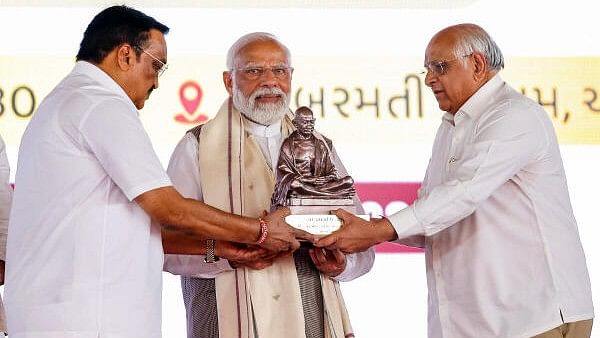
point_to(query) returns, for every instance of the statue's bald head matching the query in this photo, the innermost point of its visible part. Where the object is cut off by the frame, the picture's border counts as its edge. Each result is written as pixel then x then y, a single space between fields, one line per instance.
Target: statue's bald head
pixel 303 111
pixel 304 121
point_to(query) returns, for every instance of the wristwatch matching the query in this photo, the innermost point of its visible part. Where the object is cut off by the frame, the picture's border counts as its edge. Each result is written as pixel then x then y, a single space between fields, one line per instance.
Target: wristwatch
pixel 210 252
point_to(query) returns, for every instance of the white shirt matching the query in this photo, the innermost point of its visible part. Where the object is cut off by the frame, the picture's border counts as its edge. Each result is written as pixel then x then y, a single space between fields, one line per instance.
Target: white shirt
pixel 83 259
pixel 5 202
pixel 5 198
pixel 502 248
pixel 184 172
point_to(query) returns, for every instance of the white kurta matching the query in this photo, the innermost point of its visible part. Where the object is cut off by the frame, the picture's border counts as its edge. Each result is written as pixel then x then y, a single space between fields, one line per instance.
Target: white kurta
pixel 503 254
pixel 184 172
pixel 83 259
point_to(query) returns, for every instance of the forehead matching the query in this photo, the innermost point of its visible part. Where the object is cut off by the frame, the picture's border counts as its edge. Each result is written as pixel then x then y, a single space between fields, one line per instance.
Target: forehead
pixel 262 52
pixel 156 44
pixel 441 47
pixel 304 115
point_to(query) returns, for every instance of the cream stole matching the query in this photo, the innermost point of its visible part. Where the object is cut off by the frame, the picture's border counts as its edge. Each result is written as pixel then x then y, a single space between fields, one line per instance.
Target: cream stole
pixel 236 178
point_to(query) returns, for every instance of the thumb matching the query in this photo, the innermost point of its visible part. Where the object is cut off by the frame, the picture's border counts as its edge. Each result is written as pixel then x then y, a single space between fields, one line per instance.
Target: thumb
pixel 327 241
pixel 342 214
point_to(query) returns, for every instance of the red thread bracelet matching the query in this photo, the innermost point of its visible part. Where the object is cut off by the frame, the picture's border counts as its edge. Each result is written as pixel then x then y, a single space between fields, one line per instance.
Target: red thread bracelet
pixel 264 231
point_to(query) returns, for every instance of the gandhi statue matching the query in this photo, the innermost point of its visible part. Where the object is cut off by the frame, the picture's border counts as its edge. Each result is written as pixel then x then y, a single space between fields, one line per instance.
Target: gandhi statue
pixel 305 168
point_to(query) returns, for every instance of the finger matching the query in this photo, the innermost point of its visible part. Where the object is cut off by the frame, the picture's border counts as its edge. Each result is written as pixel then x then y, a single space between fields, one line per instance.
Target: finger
pixel 319 256
pixel 342 214
pixel 301 234
pixel 271 256
pixel 282 254
pixel 294 245
pixel 260 254
pixel 277 245
pixel 329 241
pixel 311 253
pixel 340 258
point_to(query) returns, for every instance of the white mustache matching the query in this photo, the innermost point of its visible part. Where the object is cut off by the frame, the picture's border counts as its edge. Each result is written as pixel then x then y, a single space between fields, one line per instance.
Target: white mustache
pixel 267 91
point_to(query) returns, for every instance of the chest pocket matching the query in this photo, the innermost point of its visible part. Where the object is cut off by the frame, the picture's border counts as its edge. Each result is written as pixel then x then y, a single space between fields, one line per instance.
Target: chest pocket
pixel 472 159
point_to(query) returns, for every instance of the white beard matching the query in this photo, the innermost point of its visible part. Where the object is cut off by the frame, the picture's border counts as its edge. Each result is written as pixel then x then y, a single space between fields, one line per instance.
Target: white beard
pixel 262 113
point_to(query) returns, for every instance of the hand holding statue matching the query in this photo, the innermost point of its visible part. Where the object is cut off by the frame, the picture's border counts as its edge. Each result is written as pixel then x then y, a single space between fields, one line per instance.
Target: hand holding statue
pixel 241 254
pixel 356 234
pixel 329 262
pixel 280 235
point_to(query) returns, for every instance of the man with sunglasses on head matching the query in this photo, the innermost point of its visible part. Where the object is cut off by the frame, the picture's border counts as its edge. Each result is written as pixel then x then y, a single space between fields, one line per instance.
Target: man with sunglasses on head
pixel 84 256
pixel 231 163
pixel 503 254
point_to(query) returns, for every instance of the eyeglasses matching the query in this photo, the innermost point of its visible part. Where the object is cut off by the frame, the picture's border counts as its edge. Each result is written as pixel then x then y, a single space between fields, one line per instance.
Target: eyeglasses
pixel 255 72
pixel 159 66
pixel 439 68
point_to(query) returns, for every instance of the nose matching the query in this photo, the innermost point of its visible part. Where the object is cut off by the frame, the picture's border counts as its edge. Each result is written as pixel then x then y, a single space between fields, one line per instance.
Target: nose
pixel 268 78
pixel 430 78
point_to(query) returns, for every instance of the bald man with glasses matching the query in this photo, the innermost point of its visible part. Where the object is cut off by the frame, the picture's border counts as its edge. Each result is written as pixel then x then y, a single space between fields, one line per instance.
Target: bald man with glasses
pixel 502 250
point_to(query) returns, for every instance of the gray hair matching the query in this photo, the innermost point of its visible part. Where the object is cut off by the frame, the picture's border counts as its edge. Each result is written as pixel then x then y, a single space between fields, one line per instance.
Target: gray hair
pixel 473 38
pixel 246 40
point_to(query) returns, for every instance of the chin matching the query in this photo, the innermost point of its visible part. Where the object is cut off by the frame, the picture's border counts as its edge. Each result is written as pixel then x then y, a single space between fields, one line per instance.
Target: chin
pixel 444 106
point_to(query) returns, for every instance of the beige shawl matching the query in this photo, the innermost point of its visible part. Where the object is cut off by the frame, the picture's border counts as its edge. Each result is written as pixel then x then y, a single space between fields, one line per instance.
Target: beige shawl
pixel 236 178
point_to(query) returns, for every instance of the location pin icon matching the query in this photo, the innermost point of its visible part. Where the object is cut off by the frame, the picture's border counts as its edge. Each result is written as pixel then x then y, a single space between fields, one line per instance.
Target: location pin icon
pixel 190 95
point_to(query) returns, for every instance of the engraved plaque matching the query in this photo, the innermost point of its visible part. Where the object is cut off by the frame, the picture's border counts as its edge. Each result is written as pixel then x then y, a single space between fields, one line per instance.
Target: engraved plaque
pixel 318 225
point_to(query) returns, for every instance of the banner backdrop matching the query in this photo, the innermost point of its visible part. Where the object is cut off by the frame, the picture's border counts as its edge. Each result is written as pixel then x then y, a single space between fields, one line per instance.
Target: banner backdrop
pixel 349 105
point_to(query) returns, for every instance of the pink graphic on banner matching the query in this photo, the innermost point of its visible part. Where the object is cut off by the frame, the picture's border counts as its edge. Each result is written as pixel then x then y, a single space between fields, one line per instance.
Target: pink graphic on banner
pixel 384 199
pixel 190 95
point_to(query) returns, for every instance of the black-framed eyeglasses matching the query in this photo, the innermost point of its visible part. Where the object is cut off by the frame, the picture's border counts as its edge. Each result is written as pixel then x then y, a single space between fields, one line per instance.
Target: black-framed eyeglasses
pixel 256 72
pixel 159 66
pixel 439 68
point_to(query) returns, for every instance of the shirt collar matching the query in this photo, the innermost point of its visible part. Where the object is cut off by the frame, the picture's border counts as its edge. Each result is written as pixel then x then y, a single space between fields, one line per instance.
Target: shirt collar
pixel 97 74
pixel 260 130
pixel 448 118
pixel 477 102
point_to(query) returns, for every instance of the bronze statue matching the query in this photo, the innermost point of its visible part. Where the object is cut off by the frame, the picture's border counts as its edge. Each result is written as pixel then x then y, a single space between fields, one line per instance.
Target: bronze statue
pixel 305 168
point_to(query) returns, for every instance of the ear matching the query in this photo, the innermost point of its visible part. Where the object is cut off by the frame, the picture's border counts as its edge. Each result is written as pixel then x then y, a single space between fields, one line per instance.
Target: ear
pixel 126 57
pixel 228 82
pixel 480 66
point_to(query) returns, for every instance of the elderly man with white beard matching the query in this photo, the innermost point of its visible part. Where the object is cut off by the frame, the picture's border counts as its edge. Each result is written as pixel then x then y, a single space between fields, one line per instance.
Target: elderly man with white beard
pixel 229 163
